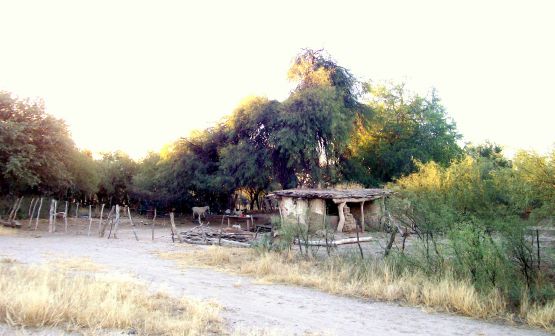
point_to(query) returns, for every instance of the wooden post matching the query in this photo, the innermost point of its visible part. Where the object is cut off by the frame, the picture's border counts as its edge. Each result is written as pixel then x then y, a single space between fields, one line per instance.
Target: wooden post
pixel 14 216
pixel 12 208
pixel 358 243
pixel 90 220
pixel 55 214
pixel 132 225
pixel 51 214
pixel 38 215
pixel 13 211
pixel 77 212
pixel 31 207
pixel 174 229
pixel 116 224
pixel 33 213
pixel 362 216
pixel 341 217
pixel 103 229
pixel 100 218
pixel 221 229
pixel 153 221
pixel 65 216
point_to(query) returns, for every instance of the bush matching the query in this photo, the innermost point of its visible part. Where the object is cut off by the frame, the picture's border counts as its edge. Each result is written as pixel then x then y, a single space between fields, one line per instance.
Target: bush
pixel 472 220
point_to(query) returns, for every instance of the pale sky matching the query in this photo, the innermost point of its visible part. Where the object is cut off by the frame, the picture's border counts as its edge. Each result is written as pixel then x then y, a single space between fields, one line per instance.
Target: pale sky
pixel 134 75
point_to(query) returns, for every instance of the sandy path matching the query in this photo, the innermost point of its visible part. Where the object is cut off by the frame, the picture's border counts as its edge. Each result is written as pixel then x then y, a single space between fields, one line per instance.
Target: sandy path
pixel 286 309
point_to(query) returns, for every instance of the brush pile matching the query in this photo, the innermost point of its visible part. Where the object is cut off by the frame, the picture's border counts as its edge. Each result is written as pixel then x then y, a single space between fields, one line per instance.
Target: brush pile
pixel 204 235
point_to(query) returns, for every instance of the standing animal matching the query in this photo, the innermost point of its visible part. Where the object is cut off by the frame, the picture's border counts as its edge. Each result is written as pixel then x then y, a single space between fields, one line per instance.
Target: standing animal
pixel 200 211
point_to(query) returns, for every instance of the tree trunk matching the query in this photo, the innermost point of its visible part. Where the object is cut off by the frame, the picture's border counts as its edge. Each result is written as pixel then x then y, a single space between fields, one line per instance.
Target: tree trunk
pixel 391 241
pixel 341 217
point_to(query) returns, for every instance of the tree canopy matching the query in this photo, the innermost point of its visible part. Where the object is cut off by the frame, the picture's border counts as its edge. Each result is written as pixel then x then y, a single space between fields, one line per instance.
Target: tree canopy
pixel 37 154
pixel 405 129
pixel 330 129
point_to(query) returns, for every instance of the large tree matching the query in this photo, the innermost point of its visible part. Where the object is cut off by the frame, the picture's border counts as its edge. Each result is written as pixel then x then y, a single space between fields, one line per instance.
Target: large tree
pixel 37 154
pixel 246 159
pixel 405 129
pixel 117 170
pixel 317 121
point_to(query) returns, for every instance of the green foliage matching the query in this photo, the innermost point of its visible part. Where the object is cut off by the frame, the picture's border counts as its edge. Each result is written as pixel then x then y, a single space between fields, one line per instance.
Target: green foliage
pixel 490 151
pixel 406 128
pixel 86 174
pixel 471 217
pixel 315 128
pixel 37 154
pixel 478 257
pixel 266 144
pixel 117 170
pixel 245 159
pixel 538 174
pixel 148 174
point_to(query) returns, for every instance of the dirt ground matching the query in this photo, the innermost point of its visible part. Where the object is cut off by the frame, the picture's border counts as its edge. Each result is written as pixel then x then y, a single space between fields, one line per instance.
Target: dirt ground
pixel 281 309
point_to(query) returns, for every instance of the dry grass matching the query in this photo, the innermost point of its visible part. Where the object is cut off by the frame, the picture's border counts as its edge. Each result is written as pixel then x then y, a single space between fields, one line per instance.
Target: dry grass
pixel 542 316
pixel 6 231
pixel 83 264
pixel 40 296
pixel 374 280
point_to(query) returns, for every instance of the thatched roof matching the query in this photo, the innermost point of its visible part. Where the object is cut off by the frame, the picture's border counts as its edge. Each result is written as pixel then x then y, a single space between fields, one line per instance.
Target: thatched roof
pixel 336 194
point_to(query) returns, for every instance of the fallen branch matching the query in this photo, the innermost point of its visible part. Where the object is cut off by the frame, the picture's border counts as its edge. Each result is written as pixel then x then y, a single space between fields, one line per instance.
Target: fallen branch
pixel 12 224
pixel 333 243
pixel 204 235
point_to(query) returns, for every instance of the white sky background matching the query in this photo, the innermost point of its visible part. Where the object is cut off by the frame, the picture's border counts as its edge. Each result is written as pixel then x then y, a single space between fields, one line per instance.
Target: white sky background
pixel 134 75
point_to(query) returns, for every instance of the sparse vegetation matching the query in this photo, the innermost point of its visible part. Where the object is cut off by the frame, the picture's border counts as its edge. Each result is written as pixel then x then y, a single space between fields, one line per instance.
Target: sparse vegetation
pixel 387 280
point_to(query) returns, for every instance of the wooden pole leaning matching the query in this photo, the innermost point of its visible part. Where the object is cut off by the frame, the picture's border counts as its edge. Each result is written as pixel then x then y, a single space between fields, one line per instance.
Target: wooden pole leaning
pixel 100 219
pixel 132 224
pixel 33 213
pixel 38 214
pixel 108 219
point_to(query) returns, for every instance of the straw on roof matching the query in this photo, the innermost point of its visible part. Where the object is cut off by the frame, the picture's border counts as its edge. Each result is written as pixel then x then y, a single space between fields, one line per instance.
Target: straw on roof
pixel 333 193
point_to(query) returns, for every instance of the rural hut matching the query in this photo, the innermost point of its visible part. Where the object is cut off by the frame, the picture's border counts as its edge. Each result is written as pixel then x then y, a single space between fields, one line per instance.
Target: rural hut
pixel 344 210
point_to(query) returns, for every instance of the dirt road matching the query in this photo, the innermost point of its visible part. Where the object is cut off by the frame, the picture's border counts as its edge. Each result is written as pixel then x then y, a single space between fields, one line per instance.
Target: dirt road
pixel 286 310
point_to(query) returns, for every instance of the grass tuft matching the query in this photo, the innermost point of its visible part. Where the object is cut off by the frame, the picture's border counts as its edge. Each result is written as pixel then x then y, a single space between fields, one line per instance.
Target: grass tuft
pixel 40 296
pixel 542 316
